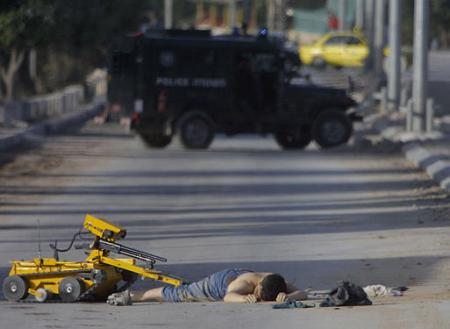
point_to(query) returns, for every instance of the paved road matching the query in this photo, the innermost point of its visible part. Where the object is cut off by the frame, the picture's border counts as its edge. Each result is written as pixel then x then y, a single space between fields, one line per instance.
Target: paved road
pixel 316 217
pixel 338 78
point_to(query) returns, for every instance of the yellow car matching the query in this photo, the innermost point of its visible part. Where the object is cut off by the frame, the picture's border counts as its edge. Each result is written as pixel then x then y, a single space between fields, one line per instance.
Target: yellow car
pixel 336 48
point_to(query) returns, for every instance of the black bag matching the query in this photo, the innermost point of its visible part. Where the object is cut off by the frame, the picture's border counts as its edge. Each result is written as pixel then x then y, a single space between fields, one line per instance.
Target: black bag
pixel 346 294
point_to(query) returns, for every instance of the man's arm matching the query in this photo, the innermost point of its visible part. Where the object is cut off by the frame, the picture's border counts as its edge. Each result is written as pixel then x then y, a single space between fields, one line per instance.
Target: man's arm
pixel 292 293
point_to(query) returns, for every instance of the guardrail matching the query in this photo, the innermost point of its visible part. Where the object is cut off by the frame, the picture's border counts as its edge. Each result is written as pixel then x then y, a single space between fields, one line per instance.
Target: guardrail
pixel 39 108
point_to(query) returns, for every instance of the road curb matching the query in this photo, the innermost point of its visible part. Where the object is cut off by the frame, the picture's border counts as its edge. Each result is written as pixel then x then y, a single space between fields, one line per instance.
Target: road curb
pixel 58 125
pixel 434 164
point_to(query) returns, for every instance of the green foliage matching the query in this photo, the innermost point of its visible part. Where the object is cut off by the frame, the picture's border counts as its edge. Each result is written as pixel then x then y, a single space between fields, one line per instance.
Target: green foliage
pixel 24 23
pixel 439 19
pixel 440 13
pixel 71 37
pixel 93 23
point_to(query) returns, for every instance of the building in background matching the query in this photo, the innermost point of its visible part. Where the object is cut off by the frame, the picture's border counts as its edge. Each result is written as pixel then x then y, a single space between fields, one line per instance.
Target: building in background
pixel 302 20
pixel 311 18
pixel 216 15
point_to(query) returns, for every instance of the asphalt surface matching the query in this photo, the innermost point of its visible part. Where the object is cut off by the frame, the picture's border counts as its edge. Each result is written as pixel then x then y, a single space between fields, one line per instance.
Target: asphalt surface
pixel 315 216
pixel 338 78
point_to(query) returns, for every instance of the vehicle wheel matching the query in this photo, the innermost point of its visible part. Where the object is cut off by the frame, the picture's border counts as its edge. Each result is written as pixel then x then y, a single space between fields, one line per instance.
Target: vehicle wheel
pixel 44 295
pixel 294 140
pixel 319 62
pixel 332 128
pixel 15 288
pixel 195 130
pixel 70 289
pixel 156 140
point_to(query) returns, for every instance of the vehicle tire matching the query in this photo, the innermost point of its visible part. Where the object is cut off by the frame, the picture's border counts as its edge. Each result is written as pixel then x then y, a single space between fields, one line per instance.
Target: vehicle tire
pixel 15 288
pixel 156 140
pixel 319 62
pixel 70 289
pixel 195 130
pixel 44 295
pixel 294 140
pixel 332 128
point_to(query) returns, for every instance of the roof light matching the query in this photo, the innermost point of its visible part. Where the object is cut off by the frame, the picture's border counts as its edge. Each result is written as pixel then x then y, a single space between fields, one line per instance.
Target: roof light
pixel 264 32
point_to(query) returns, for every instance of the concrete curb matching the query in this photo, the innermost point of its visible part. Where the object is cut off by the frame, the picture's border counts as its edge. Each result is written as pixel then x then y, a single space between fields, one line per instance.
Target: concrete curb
pixel 435 165
pixel 58 125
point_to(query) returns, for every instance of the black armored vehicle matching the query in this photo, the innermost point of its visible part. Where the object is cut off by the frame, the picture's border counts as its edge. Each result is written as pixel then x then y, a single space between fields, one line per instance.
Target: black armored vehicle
pixel 192 85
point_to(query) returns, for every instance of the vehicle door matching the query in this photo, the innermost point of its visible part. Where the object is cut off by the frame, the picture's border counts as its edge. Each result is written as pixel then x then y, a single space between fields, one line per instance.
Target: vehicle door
pixel 122 87
pixel 267 69
pixel 355 51
pixel 333 50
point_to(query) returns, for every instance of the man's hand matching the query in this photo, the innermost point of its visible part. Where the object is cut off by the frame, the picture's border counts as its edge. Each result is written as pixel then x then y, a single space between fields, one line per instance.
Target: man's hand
pixel 281 297
pixel 250 299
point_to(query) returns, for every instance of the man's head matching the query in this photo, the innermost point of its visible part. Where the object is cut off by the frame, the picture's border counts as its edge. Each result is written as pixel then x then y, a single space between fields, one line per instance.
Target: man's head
pixel 270 286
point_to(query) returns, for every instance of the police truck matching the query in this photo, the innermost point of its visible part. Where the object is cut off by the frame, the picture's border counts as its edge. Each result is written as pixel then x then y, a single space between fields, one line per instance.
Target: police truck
pixel 191 85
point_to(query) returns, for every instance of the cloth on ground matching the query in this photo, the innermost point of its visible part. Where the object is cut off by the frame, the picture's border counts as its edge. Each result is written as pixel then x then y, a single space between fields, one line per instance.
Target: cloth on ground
pixel 346 294
pixel 377 290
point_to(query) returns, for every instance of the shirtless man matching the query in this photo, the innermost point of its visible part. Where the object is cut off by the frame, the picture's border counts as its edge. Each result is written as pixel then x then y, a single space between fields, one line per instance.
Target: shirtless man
pixel 230 286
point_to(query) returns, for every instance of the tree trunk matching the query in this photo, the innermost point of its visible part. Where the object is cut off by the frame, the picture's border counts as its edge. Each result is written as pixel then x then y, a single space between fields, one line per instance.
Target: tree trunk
pixel 443 39
pixel 9 74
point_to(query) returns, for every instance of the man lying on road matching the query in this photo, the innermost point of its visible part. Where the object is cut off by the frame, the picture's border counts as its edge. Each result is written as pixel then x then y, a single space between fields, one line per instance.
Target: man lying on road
pixel 231 286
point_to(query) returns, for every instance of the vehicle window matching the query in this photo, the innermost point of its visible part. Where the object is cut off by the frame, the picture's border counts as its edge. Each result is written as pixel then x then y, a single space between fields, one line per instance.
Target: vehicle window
pixel 353 41
pixel 338 40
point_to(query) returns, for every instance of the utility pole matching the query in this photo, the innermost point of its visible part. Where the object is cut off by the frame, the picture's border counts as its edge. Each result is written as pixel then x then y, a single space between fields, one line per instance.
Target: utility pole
pixel 168 14
pixel 360 10
pixel 394 56
pixel 271 15
pixel 276 15
pixel 247 11
pixel 32 64
pixel 232 15
pixel 379 38
pixel 420 62
pixel 370 32
pixel 342 12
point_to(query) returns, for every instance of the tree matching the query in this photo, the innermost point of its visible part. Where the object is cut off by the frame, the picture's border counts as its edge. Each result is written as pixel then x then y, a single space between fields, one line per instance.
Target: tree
pixel 23 25
pixel 440 22
pixel 71 37
pixel 82 32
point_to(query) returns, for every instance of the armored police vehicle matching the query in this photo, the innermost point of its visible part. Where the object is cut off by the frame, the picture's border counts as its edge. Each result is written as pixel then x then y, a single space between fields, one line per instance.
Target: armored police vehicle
pixel 192 85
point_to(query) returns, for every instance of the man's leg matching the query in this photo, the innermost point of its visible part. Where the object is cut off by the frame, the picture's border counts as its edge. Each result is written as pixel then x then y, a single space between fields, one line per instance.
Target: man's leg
pixel 127 297
pixel 151 295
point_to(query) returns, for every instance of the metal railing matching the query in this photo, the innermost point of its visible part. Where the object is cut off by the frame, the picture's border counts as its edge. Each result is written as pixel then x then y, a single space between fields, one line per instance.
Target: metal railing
pixel 69 99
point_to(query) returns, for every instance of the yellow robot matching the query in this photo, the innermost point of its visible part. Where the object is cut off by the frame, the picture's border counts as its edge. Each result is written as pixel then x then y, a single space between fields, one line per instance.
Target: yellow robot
pixel 49 279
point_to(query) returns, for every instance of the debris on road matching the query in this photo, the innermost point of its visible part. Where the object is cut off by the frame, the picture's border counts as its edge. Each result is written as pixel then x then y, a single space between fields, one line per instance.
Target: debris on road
pixel 378 290
pixel 346 294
